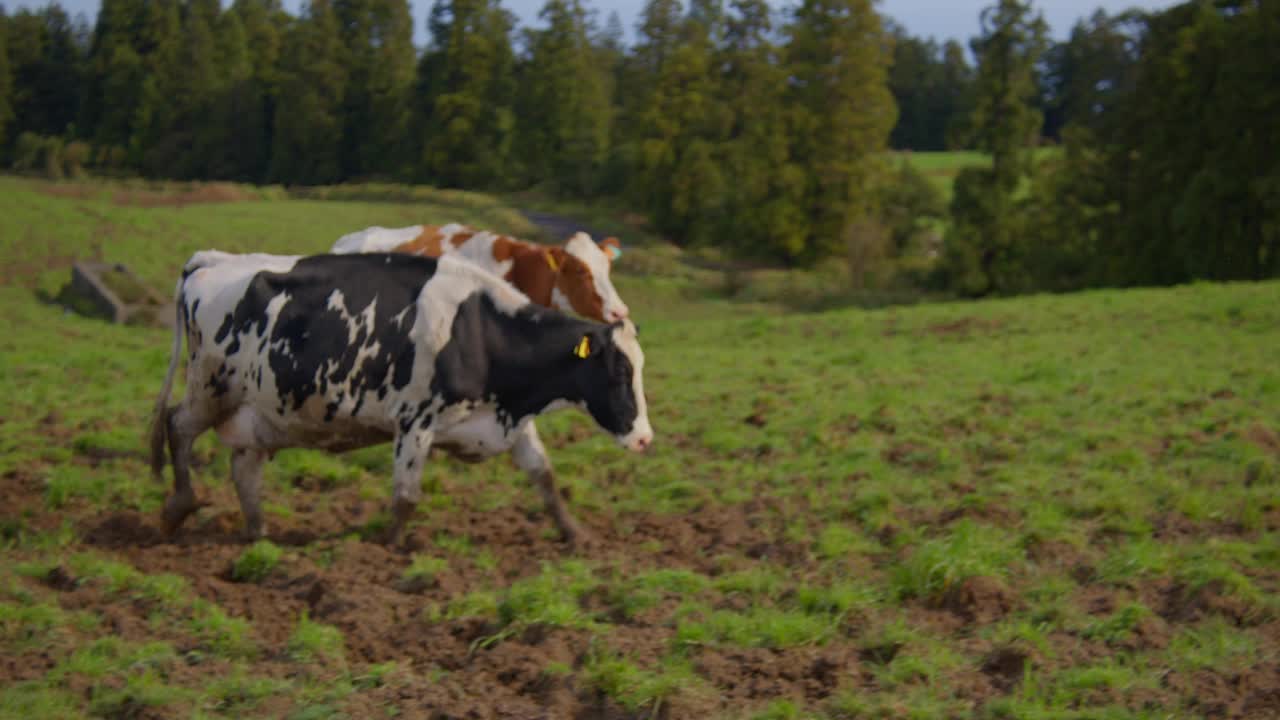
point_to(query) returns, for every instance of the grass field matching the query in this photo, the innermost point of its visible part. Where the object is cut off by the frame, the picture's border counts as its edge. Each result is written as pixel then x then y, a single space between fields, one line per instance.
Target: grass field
pixel 1048 507
pixel 942 167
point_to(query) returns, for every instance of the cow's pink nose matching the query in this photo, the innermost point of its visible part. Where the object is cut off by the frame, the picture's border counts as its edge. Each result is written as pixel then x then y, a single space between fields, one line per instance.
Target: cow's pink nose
pixel 618 315
pixel 643 443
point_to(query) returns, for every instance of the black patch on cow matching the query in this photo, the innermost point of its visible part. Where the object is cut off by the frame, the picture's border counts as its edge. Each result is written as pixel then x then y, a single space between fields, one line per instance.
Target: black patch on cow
pixel 525 362
pixel 309 347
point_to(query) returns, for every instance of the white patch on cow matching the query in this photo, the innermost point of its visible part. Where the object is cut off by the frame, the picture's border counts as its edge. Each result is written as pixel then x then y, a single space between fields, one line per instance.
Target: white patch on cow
pixel 585 249
pixel 398 318
pixel 641 434
pixel 479 250
pixel 480 435
pixel 446 233
pixel 375 239
pixel 247 428
pixel 560 301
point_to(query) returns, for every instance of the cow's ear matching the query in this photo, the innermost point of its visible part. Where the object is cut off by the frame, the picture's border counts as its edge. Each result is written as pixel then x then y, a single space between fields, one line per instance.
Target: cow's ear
pixel 612 248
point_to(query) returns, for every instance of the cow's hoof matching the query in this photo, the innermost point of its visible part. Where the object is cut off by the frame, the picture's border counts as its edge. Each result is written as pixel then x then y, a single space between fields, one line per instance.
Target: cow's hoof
pixel 176 510
pixel 401 512
pixel 579 541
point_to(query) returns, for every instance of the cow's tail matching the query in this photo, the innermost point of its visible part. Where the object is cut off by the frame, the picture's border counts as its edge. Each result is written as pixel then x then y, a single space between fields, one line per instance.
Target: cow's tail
pixel 160 418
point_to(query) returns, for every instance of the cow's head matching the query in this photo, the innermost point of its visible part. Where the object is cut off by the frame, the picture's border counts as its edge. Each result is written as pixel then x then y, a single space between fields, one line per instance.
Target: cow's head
pixel 583 285
pixel 610 380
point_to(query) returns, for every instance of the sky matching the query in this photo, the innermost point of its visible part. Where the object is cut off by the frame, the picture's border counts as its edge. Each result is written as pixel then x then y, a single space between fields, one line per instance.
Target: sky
pixel 941 19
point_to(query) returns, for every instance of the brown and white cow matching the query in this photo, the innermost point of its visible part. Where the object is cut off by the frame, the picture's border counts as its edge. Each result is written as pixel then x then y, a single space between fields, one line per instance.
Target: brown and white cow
pixel 572 278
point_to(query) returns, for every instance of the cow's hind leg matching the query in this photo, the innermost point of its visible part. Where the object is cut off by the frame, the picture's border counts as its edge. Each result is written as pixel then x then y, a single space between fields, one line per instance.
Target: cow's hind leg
pixel 412 448
pixel 246 474
pixel 531 456
pixel 186 422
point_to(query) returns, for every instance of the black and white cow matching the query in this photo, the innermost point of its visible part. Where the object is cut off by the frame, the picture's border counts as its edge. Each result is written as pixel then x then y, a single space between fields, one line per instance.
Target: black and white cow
pixel 345 351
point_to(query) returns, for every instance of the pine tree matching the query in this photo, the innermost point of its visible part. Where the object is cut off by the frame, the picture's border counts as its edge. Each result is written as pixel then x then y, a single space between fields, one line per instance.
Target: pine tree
pixel 378 35
pixel 1005 121
pixel 987 245
pixel 466 82
pixel 928 82
pixel 1192 151
pixel 264 23
pixel 566 113
pixel 838 57
pixel 763 213
pixel 658 34
pixel 158 42
pixel 679 125
pixel 179 97
pixel 45 66
pixel 6 81
pixel 233 114
pixel 1085 75
pixel 115 74
pixel 307 140
pixel 957 81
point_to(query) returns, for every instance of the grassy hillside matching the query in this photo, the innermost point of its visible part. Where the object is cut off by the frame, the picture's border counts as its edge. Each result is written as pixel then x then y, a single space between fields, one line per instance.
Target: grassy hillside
pixel 1051 507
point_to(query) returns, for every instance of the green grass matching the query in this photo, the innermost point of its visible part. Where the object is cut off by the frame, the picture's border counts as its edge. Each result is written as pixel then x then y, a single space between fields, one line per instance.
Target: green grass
pixel 822 483
pixel 635 687
pixel 942 167
pixel 312 641
pixel 256 562
pixel 940 565
pixel 423 569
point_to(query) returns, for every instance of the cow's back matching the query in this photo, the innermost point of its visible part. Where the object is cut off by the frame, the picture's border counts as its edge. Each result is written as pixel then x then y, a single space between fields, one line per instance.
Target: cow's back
pixel 307 341
pixel 376 239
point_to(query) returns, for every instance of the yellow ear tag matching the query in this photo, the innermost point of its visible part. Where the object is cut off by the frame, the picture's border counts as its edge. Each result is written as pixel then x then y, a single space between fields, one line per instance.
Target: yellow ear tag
pixel 583 349
pixel 551 261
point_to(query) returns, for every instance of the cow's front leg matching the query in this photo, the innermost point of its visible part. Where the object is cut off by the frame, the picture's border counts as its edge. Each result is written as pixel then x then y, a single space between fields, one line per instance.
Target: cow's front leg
pixel 531 456
pixel 412 448
pixel 246 475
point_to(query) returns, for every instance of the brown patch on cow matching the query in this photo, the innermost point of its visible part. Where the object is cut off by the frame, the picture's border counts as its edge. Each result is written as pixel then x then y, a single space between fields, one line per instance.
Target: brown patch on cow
pixel 505 248
pixel 427 244
pixel 536 270
pixel 531 272
pixel 576 282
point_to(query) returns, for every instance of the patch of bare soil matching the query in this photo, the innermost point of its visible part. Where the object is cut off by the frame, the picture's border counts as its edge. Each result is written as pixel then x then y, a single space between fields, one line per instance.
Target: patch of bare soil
pixel 195 194
pixel 963 328
pixel 1250 694
pixel 1178 603
pixel 1264 437
pixel 1006 666
pixel 980 599
pixel 747 675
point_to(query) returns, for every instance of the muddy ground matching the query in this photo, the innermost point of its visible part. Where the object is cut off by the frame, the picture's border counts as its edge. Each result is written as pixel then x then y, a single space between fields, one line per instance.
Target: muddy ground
pixel 448 671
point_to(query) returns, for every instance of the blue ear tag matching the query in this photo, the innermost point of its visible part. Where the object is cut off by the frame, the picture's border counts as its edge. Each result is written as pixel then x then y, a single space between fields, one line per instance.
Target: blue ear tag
pixel 615 252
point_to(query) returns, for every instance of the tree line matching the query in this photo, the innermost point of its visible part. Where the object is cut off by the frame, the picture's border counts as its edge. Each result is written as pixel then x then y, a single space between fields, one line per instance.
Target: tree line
pixel 757 130
pixel 1169 169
